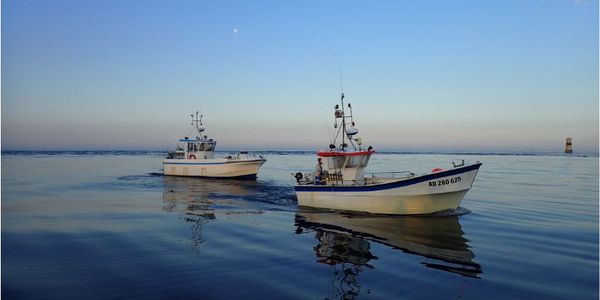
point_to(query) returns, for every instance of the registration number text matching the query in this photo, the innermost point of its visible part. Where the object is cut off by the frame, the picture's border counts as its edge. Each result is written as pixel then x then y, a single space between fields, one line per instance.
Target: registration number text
pixel 445 181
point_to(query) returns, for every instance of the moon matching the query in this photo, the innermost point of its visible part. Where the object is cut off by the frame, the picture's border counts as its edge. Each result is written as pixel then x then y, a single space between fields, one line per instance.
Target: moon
pixel 235 30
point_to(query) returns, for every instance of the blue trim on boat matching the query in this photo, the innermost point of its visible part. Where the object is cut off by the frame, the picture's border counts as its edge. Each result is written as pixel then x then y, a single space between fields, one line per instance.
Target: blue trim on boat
pixel 219 163
pixel 241 177
pixel 192 163
pixel 245 161
pixel 384 186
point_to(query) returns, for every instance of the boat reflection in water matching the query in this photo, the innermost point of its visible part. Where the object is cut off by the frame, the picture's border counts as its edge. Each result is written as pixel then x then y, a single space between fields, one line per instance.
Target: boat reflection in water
pixel 185 194
pixel 345 239
pixel 195 201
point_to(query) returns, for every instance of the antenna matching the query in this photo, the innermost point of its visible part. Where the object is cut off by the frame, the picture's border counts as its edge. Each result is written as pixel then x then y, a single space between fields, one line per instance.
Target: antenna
pixel 343 123
pixel 197 122
pixel 341 81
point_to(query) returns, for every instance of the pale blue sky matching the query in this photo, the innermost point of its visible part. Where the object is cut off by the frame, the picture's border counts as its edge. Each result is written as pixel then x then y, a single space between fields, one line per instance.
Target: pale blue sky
pixel 421 75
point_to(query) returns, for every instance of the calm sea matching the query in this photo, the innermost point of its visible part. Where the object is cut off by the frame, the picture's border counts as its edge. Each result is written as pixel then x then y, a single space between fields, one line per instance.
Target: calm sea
pixel 98 225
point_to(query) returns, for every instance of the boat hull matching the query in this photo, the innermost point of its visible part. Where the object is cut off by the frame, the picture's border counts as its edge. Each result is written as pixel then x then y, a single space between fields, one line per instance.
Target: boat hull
pixel 417 195
pixel 212 168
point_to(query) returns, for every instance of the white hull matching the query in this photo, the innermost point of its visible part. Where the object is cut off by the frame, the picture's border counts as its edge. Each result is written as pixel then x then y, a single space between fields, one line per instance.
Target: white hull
pixel 219 168
pixel 417 195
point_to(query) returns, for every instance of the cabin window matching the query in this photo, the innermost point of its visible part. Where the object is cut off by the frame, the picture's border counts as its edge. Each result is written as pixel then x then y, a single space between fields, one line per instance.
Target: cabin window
pixel 195 147
pixel 201 147
pixel 190 147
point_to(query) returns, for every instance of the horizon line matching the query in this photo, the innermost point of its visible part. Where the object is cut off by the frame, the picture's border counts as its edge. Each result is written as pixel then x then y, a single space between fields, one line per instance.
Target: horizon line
pixel 312 150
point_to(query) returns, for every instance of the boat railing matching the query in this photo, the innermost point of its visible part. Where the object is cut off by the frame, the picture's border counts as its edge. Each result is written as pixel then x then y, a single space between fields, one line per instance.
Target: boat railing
pixel 396 174
pixel 245 154
pixel 348 182
pixel 175 154
pixel 333 179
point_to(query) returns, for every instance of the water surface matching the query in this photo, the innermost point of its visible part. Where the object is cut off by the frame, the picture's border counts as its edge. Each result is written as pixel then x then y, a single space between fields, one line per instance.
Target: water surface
pixel 107 224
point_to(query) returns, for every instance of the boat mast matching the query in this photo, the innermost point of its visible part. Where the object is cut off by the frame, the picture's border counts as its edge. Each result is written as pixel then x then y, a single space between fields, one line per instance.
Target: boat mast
pixel 197 122
pixel 343 111
pixel 341 114
pixel 343 123
pixel 343 129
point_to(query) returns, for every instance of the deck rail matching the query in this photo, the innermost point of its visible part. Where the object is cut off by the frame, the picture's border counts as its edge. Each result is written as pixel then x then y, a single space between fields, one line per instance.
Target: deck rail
pixel 395 174
pixel 335 180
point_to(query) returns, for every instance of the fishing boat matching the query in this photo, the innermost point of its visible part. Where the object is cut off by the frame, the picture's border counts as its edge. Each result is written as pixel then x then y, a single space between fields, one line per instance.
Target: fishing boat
pixel 196 157
pixel 339 181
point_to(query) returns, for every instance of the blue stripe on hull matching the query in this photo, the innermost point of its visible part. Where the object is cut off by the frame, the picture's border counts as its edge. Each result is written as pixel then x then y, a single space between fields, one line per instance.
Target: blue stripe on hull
pixel 242 177
pixel 385 186
pixel 191 164
pixel 216 163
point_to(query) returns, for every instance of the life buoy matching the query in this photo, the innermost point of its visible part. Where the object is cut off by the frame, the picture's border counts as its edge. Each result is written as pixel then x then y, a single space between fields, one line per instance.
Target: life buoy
pixel 191 156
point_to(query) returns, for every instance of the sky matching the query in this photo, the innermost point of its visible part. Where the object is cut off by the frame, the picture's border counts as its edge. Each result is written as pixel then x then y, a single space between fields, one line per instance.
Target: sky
pixel 469 76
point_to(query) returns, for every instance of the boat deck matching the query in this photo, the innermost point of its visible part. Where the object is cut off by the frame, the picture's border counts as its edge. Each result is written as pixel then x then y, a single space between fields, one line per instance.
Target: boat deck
pixel 371 180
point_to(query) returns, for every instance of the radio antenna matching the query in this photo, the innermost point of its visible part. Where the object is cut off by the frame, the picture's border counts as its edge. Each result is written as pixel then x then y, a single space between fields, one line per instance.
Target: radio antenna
pixel 197 123
pixel 341 81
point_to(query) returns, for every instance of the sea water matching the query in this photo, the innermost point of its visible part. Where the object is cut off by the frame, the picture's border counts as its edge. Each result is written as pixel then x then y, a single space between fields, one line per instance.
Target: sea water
pixel 98 225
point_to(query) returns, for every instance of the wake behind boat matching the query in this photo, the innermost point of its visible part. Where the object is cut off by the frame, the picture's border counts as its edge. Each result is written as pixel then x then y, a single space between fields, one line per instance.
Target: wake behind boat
pixel 196 157
pixel 340 183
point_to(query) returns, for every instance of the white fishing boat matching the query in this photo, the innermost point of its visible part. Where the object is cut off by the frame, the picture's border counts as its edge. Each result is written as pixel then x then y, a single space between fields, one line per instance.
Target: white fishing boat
pixel 196 157
pixel 342 184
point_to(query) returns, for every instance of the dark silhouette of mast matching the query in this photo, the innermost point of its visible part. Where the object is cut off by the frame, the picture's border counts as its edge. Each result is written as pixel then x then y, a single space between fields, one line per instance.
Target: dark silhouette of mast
pixel 343 124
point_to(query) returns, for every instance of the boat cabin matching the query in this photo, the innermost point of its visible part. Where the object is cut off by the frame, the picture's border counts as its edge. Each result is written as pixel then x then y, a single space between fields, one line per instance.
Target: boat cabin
pixel 198 149
pixel 345 167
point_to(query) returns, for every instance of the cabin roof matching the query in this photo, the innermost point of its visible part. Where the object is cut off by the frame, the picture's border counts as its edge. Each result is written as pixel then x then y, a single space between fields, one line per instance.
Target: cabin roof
pixel 344 153
pixel 198 141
